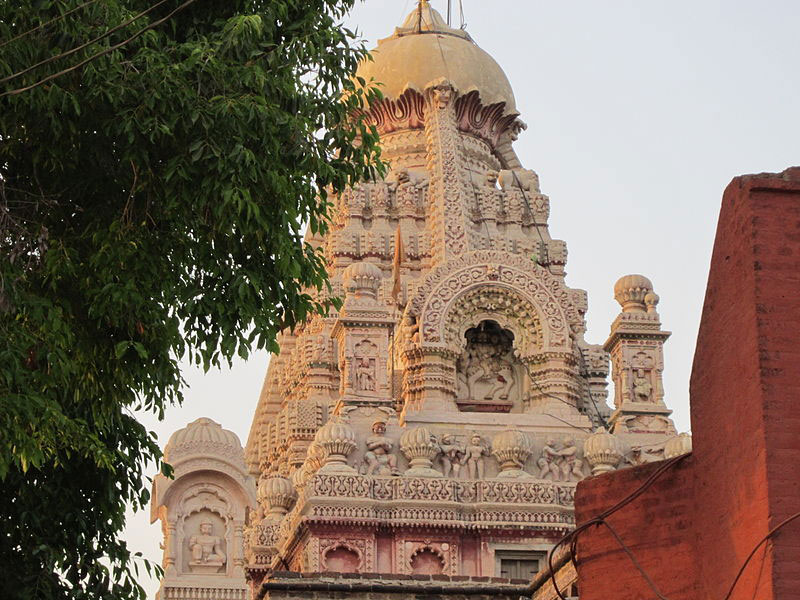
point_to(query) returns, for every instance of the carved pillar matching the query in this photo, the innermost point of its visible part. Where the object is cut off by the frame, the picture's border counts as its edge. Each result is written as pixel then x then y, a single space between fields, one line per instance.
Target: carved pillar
pixel 429 381
pixel 636 346
pixel 448 199
pixel 554 385
pixel 362 332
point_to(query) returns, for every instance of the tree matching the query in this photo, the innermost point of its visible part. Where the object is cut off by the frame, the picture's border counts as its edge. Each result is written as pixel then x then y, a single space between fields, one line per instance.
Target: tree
pixel 151 208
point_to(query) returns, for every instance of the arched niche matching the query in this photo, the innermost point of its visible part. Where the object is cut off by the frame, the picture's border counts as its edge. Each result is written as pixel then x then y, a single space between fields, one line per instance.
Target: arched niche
pixel 341 558
pixel 489 375
pixel 495 285
pixel 426 561
pixel 510 290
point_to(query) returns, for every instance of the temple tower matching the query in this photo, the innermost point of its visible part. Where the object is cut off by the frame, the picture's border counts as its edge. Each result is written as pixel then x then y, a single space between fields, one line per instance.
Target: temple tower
pixel 436 423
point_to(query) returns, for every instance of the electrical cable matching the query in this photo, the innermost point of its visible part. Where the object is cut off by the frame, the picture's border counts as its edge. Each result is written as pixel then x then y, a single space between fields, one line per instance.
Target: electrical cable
pixel 573 535
pixel 43 25
pixel 763 540
pixel 82 46
pixel 100 54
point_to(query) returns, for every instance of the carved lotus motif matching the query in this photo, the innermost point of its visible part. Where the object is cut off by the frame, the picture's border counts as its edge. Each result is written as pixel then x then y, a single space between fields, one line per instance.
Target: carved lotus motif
pixel 630 291
pixel 276 495
pixel 512 448
pixel 680 444
pixel 420 448
pixel 337 441
pixel 603 450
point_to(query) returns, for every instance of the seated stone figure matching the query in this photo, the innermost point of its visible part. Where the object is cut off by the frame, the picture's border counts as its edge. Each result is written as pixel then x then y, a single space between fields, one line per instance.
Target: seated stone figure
pixel 378 457
pixel 206 547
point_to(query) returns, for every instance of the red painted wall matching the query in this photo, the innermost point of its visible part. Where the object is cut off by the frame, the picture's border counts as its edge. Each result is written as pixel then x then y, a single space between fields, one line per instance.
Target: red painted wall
pixel 744 474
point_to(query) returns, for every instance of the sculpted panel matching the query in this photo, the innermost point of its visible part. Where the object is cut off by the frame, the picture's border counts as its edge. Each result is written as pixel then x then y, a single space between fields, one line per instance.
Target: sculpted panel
pixel 528 283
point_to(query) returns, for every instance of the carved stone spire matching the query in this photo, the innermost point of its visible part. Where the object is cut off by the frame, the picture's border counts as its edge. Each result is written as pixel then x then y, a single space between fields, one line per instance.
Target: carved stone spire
pixel 448 221
pixel 636 346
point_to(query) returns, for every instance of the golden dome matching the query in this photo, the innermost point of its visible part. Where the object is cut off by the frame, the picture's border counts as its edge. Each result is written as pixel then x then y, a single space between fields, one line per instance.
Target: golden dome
pixel 424 50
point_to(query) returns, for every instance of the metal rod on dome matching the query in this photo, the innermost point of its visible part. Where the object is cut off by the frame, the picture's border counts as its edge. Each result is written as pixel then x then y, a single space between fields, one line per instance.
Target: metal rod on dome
pixel 449 11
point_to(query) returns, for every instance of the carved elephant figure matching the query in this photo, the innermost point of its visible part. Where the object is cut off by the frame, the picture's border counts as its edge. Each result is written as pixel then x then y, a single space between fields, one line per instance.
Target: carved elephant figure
pixel 526 178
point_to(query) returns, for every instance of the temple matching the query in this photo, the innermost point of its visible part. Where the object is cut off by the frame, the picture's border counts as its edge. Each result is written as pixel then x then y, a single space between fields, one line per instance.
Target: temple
pixel 435 427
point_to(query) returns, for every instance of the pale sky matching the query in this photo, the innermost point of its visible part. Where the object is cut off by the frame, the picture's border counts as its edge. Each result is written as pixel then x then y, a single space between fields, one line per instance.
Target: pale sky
pixel 639 113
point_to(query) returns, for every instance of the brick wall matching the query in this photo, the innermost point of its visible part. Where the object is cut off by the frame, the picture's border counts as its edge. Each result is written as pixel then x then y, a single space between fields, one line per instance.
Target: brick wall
pixel 657 527
pixel 694 528
pixel 745 387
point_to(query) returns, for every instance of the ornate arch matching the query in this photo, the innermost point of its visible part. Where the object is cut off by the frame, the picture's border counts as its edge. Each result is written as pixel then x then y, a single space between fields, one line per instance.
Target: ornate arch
pixel 540 300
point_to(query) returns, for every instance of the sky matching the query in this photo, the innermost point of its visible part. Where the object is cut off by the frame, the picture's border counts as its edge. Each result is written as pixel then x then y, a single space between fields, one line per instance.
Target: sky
pixel 639 113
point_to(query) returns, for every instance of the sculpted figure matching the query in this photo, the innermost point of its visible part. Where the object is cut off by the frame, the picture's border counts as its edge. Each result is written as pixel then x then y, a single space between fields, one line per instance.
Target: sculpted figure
pixel 550 460
pixel 473 457
pixel 206 548
pixel 452 455
pixel 503 375
pixel 378 457
pixel 641 387
pixel 636 457
pixel 365 375
pixel 572 466
pixel 519 178
pixel 411 330
pixel 442 94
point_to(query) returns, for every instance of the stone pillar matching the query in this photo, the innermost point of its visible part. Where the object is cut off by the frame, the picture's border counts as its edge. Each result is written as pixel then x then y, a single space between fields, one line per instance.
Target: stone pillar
pixel 362 332
pixel 636 346
pixel 448 200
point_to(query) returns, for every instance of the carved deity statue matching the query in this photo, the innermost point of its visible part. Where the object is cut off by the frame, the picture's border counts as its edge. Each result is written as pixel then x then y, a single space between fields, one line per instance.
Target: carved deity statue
pixel 642 389
pixel 452 455
pixel 473 457
pixel 378 458
pixel 365 374
pixel 206 547
pixel 485 371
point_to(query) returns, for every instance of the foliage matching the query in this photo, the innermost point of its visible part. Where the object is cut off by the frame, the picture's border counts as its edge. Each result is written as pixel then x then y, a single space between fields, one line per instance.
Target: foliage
pixel 151 208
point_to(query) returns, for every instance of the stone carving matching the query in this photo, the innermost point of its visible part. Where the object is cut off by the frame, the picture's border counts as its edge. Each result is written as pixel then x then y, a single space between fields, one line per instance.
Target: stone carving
pixel 642 389
pixel 337 441
pixel 512 448
pixel 680 444
pixel 524 179
pixel 206 548
pixel 485 370
pixel 474 455
pixel 560 464
pixel 378 459
pixel 548 462
pixel 365 374
pixel 452 455
pixel 276 494
pixel 603 451
pixel 420 448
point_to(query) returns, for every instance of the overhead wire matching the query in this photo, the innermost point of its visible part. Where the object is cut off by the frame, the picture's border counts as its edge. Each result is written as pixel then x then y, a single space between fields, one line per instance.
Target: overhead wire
pixel 750 556
pixel 97 55
pixel 84 45
pixel 47 23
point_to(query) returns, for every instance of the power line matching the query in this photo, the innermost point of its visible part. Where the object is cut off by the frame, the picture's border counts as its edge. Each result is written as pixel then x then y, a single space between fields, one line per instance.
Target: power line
pixel 100 54
pixel 43 25
pixel 82 46
pixel 763 540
